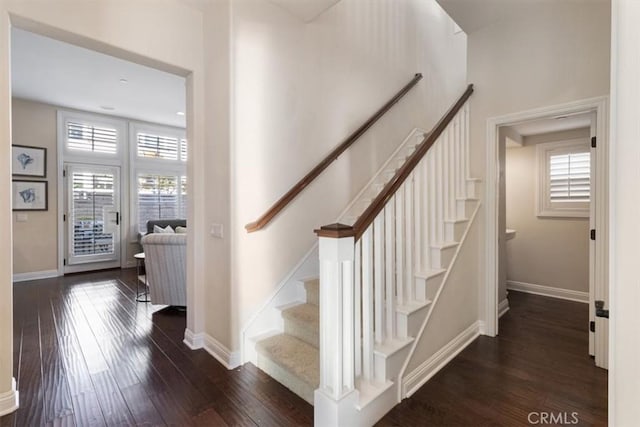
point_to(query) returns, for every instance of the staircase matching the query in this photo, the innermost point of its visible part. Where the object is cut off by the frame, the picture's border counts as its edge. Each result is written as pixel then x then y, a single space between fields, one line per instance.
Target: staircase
pixel 381 271
pixel 292 357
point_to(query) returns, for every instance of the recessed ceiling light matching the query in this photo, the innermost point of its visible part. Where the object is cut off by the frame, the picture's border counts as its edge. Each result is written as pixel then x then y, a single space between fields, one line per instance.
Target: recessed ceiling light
pixel 107 107
pixel 124 81
pixel 180 113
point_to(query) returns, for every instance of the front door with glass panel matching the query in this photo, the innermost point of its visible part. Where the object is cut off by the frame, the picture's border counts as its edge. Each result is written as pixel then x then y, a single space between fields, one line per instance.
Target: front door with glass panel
pixel 92 217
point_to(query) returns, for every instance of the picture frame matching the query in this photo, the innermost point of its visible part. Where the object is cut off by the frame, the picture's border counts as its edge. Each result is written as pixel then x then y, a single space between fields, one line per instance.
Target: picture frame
pixel 29 161
pixel 30 195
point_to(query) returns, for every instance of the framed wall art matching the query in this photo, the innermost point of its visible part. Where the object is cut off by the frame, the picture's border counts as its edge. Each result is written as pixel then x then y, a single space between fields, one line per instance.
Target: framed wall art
pixel 29 161
pixel 30 195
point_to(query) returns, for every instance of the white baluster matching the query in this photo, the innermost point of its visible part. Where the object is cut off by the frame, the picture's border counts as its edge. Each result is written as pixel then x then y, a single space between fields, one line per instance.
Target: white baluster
pixel 451 168
pixel 390 266
pixel 367 306
pixel 409 239
pixel 399 199
pixel 378 276
pixel 357 274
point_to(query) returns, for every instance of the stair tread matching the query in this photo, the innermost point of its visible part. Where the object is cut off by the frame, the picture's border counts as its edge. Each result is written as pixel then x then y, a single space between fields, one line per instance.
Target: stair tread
pixel 390 347
pixel 306 314
pixel 444 245
pixel 410 307
pixel 293 355
pixel 430 273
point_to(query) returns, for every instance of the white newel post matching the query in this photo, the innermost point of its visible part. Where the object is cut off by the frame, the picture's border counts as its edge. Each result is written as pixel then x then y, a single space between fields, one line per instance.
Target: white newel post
pixel 335 399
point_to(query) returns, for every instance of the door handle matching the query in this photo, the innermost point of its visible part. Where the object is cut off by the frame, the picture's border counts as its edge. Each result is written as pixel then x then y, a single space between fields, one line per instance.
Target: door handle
pixel 117 218
pixel 600 311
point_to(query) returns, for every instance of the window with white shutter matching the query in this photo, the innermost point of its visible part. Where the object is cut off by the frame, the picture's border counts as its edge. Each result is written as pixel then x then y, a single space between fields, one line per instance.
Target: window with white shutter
pixel 564 184
pixel 160 197
pixel 86 137
pixel 157 146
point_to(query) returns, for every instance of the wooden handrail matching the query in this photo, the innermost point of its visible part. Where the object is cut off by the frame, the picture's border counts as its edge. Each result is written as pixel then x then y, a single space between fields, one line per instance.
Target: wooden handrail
pixel 376 206
pixel 320 167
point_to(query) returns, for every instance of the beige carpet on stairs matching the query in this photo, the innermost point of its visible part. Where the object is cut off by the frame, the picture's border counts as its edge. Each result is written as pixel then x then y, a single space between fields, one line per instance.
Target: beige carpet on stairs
pixel 292 358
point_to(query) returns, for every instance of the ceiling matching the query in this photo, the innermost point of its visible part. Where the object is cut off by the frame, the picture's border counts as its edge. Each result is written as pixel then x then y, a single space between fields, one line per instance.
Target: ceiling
pixel 53 72
pixel 472 15
pixel 307 10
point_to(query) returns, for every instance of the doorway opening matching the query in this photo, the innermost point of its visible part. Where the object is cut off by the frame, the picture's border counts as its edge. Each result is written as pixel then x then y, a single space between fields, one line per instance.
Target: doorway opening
pixel 114 134
pixel 547 211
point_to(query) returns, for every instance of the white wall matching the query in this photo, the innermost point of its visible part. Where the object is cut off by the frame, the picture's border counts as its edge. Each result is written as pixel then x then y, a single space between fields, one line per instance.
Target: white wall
pixel 300 89
pixel 546 251
pixel 545 54
pixel 624 339
pixel 133 30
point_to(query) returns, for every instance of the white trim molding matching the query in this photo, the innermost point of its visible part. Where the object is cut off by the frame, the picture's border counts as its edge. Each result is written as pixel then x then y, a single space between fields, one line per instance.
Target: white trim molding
pixel 599 106
pixel 229 359
pixel 503 307
pixel 9 400
pixel 548 291
pixel 427 369
pixel 35 275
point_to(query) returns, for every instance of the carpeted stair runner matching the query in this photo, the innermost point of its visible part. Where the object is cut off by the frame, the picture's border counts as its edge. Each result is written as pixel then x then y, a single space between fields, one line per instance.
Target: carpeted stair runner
pixel 292 358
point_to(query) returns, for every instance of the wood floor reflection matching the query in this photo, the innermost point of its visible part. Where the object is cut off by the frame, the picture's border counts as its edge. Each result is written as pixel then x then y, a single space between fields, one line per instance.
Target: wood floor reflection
pixel 86 354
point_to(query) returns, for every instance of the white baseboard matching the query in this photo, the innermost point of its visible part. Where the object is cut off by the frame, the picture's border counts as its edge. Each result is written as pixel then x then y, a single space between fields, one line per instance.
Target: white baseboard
pixel 503 307
pixel 548 291
pixel 9 400
pixel 423 373
pixel 36 275
pixel 230 359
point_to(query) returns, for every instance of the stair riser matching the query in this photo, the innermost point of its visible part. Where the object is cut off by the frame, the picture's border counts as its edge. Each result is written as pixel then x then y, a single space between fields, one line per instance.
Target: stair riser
pixel 454 231
pixel 409 324
pixel 285 378
pixel 465 208
pixel 427 288
pixel 441 257
pixel 302 331
pixel 388 368
pixel 312 290
pixel 473 189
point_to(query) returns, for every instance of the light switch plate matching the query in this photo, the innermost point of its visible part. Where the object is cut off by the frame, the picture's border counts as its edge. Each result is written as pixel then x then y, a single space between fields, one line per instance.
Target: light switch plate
pixel 217 230
pixel 21 217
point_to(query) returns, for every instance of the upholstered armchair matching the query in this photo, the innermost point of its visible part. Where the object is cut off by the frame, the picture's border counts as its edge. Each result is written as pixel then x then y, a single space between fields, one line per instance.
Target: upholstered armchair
pixel 166 267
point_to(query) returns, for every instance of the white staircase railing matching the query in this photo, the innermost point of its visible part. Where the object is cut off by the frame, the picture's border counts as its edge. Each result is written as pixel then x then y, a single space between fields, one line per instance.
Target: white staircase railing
pixel 371 303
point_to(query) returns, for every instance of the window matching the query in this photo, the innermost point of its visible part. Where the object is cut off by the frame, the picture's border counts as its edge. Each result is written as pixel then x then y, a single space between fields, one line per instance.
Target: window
pixel 86 137
pixel 160 197
pixel 157 146
pixel 564 184
pixel 158 160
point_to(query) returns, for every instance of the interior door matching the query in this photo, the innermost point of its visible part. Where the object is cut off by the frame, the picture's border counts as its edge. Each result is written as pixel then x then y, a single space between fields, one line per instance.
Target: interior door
pixel 93 217
pixel 598 274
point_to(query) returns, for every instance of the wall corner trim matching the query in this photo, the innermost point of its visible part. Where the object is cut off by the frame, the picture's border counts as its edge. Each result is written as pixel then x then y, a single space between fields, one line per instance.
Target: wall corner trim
pixel 229 359
pixel 548 291
pixel 427 369
pixel 9 400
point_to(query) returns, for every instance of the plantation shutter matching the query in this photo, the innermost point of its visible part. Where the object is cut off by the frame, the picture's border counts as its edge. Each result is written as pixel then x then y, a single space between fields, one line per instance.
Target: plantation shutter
pixel 157 146
pixel 85 137
pixel 569 176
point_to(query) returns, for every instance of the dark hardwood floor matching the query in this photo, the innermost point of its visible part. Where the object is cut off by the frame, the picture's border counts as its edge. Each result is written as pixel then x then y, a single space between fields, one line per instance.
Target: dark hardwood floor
pixel 538 364
pixel 85 353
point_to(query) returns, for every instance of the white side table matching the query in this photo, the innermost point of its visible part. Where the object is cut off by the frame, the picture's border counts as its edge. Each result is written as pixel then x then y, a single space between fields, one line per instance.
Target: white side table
pixel 142 278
